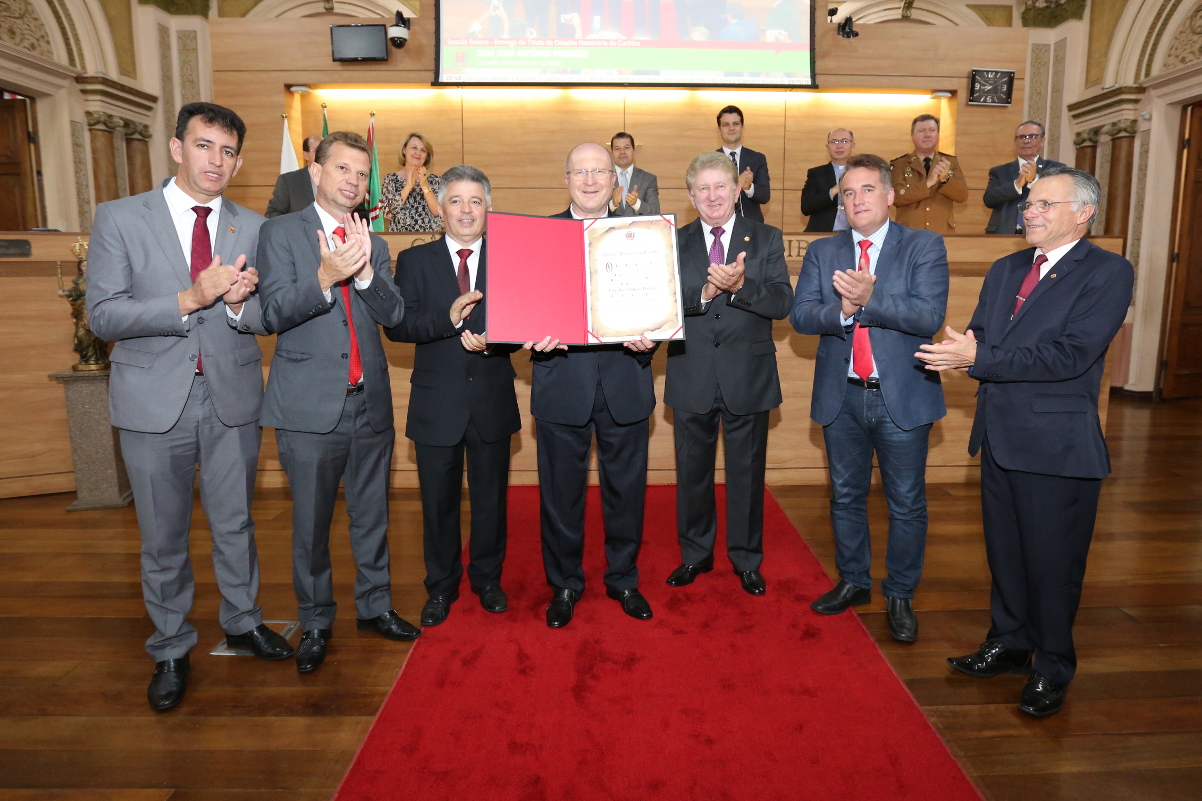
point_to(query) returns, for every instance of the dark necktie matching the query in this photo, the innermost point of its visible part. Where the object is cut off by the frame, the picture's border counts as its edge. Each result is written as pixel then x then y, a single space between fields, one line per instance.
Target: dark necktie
pixel 738 203
pixel 355 372
pixel 202 252
pixel 717 254
pixel 464 276
pixel 861 345
pixel 1029 283
pixel 926 164
pixel 1019 224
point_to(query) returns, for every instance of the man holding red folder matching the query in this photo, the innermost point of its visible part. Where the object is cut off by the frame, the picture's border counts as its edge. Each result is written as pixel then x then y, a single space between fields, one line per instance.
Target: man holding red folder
pixel 579 391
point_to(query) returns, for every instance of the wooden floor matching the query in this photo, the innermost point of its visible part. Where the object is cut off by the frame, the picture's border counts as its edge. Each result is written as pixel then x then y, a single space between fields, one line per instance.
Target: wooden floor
pixel 74 723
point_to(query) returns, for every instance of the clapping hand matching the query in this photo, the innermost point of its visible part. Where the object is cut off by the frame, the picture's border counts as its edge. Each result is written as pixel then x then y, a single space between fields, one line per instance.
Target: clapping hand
pixel 745 179
pixel 346 259
pixel 725 278
pixel 957 352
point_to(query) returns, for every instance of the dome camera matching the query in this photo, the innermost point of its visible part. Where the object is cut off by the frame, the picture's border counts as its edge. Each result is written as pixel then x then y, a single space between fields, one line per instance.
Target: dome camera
pixel 398 31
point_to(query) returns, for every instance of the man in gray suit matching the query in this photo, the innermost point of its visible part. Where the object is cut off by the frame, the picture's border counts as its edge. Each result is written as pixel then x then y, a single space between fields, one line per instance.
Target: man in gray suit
pixel 326 290
pixel 1010 183
pixel 171 278
pixel 636 191
pixel 294 190
pixel 874 294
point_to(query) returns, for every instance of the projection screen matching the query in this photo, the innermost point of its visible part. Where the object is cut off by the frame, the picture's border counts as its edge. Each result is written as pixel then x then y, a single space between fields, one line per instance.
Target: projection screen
pixel 626 42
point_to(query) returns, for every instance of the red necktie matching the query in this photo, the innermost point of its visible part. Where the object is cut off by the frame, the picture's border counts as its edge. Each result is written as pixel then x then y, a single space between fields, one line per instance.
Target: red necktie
pixel 202 251
pixel 861 345
pixel 465 278
pixel 1029 283
pixel 355 374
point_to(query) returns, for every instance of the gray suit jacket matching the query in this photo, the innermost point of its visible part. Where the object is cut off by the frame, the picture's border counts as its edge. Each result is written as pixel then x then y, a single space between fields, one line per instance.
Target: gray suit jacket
pixel 907 308
pixel 648 193
pixel 136 268
pixel 293 191
pixel 306 388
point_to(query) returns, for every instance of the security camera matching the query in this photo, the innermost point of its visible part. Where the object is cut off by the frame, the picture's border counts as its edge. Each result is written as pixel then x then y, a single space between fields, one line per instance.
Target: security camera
pixel 398 31
pixel 846 30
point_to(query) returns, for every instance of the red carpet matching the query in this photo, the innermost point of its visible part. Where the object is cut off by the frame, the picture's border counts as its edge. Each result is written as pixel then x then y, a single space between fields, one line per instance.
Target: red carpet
pixel 721 696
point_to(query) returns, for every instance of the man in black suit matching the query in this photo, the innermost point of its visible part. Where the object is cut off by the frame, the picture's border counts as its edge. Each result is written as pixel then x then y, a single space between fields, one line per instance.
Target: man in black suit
pixel 1010 183
pixel 820 197
pixel 734 283
pixel 751 166
pixel 294 190
pixel 576 392
pixel 461 398
pixel 1037 344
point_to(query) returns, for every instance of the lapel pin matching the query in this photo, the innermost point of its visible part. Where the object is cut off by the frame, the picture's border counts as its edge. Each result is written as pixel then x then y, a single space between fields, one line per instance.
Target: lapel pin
pixel 746 239
pixel 1053 275
pixel 231 230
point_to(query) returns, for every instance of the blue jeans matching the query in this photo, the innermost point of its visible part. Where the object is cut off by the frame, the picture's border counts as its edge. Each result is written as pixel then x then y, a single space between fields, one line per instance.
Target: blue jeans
pixel 862 427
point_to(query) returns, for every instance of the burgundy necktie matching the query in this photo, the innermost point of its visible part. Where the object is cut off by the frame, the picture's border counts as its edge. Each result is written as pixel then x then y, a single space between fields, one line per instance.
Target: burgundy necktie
pixel 717 254
pixel 202 252
pixel 1029 283
pixel 861 345
pixel 355 373
pixel 465 278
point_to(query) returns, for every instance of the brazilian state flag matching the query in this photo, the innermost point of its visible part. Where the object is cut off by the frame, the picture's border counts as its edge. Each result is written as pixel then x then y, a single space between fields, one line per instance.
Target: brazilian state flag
pixel 373 184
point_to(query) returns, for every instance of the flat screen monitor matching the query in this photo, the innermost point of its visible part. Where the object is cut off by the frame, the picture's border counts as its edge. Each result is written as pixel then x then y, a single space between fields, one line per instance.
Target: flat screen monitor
pixel 359 42
pixel 625 42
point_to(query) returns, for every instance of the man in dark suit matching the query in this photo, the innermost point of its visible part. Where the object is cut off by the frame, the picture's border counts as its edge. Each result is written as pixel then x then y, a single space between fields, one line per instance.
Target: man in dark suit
pixel 734 283
pixel 294 190
pixel 751 166
pixel 636 191
pixel 1037 344
pixel 326 288
pixel 461 399
pixel 576 392
pixel 182 393
pixel 874 294
pixel 1010 183
pixel 820 198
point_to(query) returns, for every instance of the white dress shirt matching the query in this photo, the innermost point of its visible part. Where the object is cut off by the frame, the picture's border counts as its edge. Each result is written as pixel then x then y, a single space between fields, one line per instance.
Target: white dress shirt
pixel 874 252
pixel 738 154
pixel 1054 255
pixel 328 224
pixel 473 261
pixel 180 204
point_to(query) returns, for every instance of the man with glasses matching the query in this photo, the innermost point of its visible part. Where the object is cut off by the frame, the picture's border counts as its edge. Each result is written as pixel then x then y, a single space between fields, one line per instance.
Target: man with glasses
pixel 1037 344
pixel 928 182
pixel 820 198
pixel 577 392
pixel 1010 183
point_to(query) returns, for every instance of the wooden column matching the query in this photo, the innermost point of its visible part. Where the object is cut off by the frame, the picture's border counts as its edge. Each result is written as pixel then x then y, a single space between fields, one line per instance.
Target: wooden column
pixel 137 157
pixel 1118 185
pixel 1086 143
pixel 104 157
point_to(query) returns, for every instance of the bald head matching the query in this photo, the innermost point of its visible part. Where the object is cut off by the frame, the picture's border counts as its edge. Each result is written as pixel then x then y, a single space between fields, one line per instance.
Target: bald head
pixel 590 179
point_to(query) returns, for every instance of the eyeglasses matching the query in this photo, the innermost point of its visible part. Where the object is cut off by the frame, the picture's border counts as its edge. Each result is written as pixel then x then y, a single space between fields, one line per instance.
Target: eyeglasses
pixel 1028 137
pixel 1041 206
pixel 838 141
pixel 599 174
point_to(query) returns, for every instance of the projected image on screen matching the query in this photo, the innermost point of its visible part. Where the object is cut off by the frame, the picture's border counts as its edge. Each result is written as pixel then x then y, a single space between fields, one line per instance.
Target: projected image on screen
pixel 672 42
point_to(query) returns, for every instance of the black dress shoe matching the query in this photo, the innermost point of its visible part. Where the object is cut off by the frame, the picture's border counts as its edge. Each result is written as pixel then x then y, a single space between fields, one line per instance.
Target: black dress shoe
pixel 687 574
pixel 903 625
pixel 992 659
pixel 168 683
pixel 492 598
pixel 752 581
pixel 265 643
pixel 633 602
pixel 844 595
pixel 312 650
pixel 1042 697
pixel 390 626
pixel 563 603
pixel 437 608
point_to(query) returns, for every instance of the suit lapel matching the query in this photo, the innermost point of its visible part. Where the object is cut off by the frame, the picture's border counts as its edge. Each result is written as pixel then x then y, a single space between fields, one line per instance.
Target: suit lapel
pixel 1067 263
pixel 742 239
pixel 162 229
pixel 227 232
pixel 888 256
pixel 311 224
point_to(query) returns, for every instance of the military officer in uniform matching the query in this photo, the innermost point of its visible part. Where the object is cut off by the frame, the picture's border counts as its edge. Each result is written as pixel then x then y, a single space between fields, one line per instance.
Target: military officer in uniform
pixel 927 182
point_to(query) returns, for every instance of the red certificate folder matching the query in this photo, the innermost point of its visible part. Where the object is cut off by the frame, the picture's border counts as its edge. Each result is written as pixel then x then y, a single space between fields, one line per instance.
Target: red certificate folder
pixel 538 281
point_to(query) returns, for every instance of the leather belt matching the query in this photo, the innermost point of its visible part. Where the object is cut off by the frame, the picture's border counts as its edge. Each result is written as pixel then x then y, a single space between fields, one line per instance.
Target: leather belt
pixel 354 389
pixel 865 383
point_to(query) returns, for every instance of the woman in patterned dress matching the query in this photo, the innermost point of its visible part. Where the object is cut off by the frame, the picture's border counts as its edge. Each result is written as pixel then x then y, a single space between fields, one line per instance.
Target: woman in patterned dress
pixel 409 198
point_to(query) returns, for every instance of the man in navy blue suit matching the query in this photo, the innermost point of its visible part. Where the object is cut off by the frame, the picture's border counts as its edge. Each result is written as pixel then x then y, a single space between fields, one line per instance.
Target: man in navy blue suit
pixel 1037 344
pixel 873 294
pixel 1010 183
pixel 752 166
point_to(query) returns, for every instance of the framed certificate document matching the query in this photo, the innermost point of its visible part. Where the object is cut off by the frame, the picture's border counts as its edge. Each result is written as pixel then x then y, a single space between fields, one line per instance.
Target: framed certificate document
pixel 583 282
